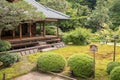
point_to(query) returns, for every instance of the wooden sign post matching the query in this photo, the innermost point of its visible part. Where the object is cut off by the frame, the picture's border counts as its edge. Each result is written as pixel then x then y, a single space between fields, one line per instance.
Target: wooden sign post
pixel 4 76
pixel 114 54
pixel 94 49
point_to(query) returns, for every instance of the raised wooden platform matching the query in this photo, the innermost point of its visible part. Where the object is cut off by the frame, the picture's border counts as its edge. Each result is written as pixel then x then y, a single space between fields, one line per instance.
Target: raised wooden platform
pixel 33 41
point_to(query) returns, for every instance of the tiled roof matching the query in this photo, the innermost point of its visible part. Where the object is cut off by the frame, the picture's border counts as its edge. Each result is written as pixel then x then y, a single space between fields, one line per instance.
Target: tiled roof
pixel 48 12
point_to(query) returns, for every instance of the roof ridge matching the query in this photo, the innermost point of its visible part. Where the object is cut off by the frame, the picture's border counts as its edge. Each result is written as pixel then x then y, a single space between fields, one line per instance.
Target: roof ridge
pixel 51 9
pixel 46 10
pixel 57 12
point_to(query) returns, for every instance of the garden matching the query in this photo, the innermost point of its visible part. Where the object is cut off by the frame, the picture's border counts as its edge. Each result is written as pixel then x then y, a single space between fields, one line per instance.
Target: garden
pixel 75 60
pixel 76 56
pixel 93 22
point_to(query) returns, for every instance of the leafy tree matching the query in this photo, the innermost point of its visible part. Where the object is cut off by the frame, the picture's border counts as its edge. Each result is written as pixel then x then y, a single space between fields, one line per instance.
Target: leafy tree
pixel 107 34
pixel 12 14
pixel 59 5
pixel 99 16
pixel 90 3
pixel 78 16
pixel 115 13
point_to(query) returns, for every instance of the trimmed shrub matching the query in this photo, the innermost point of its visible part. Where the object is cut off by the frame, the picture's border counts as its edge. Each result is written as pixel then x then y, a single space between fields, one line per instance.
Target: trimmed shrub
pixel 51 62
pixel 81 65
pixel 79 36
pixel 115 74
pixel 4 45
pixel 111 66
pixel 8 59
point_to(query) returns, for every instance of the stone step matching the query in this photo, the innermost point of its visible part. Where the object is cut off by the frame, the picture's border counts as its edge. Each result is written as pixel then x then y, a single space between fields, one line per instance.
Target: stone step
pixel 41 43
pixel 59 45
pixel 48 49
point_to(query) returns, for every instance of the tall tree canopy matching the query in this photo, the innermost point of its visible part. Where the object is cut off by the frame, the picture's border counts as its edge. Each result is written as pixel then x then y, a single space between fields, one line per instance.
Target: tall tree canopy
pixel 11 14
pixel 90 3
pixel 59 5
pixel 115 13
pixel 99 16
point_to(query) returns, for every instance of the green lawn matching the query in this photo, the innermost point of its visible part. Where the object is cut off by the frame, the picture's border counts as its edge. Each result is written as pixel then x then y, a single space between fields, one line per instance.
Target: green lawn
pixel 103 56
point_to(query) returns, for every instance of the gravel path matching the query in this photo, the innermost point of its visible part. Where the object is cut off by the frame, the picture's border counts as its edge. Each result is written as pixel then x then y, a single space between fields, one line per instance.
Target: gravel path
pixel 38 76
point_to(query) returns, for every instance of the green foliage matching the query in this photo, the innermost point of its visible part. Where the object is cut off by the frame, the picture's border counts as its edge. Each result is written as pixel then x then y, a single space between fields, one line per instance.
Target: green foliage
pixel 99 16
pixel 81 65
pixel 106 34
pixel 96 38
pixel 59 5
pixel 51 62
pixel 73 23
pixel 111 66
pixel 52 30
pixel 79 36
pixel 115 74
pixel 114 13
pixel 8 59
pixel 89 3
pixel 4 45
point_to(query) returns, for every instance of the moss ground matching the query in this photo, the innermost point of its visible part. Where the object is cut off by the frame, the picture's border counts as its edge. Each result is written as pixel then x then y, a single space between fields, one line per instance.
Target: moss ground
pixel 103 56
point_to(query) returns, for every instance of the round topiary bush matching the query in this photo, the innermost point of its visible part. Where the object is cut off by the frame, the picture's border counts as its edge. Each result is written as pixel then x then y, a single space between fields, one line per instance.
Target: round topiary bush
pixel 81 65
pixel 111 66
pixel 4 45
pixel 8 59
pixel 115 74
pixel 51 62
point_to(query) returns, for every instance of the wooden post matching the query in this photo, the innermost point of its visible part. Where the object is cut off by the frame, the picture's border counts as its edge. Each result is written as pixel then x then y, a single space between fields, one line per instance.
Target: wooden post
pixel 0 35
pixel 4 76
pixel 20 31
pixel 114 55
pixel 44 29
pixel 57 33
pixel 94 49
pixel 13 33
pixel 40 28
pixel 30 29
pixel 94 64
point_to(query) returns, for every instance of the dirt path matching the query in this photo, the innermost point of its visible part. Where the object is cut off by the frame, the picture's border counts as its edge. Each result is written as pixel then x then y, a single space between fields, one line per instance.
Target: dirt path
pixel 38 76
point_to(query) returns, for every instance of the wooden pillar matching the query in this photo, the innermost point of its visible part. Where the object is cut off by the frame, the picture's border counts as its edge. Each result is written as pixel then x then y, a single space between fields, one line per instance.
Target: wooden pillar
pixel 30 29
pixel 20 31
pixel 57 33
pixel 41 28
pixel 44 33
pixel 1 34
pixel 14 33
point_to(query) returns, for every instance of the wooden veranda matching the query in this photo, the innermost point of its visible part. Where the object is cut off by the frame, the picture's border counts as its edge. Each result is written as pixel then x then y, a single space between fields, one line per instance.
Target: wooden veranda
pixel 25 35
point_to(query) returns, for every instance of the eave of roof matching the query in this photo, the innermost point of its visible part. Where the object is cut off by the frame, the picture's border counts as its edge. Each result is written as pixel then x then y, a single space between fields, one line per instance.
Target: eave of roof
pixel 48 12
